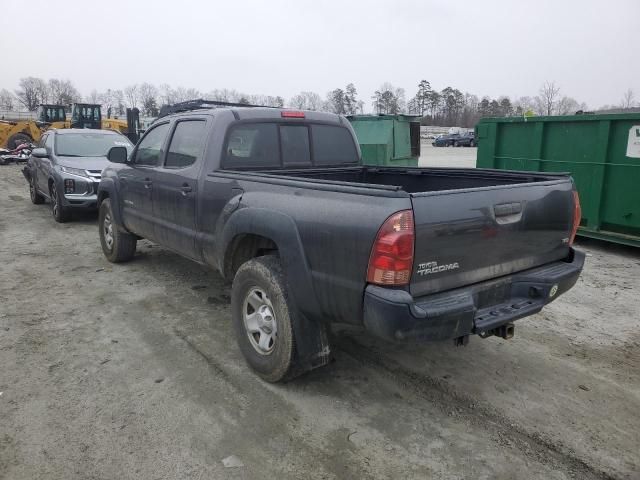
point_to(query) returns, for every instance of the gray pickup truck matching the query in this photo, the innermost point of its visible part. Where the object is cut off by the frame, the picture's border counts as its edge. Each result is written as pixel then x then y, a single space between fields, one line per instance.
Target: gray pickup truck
pixel 279 203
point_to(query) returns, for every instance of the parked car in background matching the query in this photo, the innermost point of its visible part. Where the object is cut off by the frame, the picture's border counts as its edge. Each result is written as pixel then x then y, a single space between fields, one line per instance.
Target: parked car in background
pixel 446 140
pixel 455 140
pixel 280 203
pixel 466 140
pixel 66 168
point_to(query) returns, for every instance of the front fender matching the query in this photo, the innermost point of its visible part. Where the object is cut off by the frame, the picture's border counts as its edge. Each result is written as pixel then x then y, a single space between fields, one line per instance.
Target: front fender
pixel 108 189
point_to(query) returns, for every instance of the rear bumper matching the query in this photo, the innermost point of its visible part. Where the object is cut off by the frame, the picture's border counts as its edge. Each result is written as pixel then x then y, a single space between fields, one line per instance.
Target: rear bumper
pixel 476 309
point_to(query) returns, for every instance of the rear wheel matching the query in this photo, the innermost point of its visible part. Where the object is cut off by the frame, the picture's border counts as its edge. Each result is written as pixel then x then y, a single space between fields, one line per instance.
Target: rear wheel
pixel 36 198
pixel 18 139
pixel 262 318
pixel 117 246
pixel 456 144
pixel 61 214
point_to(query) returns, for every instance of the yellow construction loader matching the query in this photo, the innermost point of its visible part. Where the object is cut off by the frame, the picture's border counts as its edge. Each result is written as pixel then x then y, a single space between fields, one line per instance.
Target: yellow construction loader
pixel 83 115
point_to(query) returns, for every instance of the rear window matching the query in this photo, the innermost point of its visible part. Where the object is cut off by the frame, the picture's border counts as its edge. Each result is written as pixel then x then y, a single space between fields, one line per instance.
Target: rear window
pixel 295 145
pixel 253 145
pixel 272 145
pixel 332 145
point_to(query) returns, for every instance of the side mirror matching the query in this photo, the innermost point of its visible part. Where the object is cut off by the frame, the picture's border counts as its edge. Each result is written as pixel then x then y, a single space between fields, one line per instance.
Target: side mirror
pixel 117 155
pixel 40 153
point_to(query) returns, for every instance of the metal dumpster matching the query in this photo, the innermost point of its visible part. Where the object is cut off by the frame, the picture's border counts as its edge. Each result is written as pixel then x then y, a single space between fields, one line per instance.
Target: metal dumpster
pixel 391 140
pixel 602 152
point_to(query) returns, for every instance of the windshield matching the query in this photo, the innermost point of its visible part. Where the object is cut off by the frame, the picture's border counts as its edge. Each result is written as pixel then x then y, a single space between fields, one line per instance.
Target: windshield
pixel 87 112
pixel 54 114
pixel 89 144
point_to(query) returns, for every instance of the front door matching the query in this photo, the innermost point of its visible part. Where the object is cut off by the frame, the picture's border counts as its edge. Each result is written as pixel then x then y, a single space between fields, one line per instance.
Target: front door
pixel 175 188
pixel 137 181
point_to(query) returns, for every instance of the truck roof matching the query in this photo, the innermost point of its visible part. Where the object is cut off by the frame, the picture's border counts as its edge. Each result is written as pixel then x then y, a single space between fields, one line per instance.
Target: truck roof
pixel 264 113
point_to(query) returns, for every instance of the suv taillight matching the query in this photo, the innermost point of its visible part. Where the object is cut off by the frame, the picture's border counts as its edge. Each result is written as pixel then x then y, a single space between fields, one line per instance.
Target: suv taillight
pixel 577 216
pixel 391 257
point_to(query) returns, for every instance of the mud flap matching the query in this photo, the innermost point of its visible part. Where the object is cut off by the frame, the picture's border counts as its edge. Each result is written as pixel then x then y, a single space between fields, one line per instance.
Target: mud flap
pixel 312 345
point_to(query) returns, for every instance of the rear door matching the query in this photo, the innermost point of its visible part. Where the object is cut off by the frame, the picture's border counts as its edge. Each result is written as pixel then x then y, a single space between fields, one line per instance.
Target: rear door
pixel 175 187
pixel 136 182
pixel 467 236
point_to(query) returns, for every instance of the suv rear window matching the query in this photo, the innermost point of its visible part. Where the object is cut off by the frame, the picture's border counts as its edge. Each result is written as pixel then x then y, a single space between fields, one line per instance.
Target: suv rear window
pixel 273 145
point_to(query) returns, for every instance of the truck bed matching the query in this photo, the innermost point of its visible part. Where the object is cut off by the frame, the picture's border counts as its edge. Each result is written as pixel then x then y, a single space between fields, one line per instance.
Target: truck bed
pixel 471 225
pixel 417 180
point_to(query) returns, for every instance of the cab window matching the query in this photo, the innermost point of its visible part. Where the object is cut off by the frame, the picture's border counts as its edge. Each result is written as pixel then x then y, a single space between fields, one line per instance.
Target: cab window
pixel 186 144
pixel 150 148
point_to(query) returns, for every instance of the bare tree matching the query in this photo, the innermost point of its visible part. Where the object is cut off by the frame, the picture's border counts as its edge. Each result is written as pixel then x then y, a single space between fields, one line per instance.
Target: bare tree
pixel 567 106
pixel 62 92
pixel 307 101
pixel 548 98
pixel 118 101
pixel 389 99
pixel 628 99
pixel 148 98
pixel 131 94
pixel 7 100
pixel 32 92
pixel 93 97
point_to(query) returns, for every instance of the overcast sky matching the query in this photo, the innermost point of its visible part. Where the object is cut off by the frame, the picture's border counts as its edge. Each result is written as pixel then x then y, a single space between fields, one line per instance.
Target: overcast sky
pixel 591 49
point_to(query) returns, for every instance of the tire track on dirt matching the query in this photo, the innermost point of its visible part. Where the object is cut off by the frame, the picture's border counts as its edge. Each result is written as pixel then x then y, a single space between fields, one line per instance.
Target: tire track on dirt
pixel 448 400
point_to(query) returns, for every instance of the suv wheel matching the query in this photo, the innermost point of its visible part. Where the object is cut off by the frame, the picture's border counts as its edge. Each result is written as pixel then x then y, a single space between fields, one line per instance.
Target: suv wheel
pixel 117 246
pixel 262 318
pixel 61 214
pixel 36 198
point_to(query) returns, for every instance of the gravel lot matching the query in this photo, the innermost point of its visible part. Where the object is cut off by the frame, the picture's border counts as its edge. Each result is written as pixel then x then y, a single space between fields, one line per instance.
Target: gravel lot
pixel 461 157
pixel 131 372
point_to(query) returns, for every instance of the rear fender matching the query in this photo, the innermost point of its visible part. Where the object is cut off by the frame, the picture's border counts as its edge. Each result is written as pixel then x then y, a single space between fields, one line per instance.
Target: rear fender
pixel 311 336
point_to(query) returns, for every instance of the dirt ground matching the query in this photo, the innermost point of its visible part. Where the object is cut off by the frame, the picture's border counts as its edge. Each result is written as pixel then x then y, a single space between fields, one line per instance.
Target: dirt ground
pixel 131 372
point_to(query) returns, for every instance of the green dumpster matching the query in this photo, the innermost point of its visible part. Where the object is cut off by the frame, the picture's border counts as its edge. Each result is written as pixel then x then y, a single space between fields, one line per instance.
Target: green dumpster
pixel 390 140
pixel 602 152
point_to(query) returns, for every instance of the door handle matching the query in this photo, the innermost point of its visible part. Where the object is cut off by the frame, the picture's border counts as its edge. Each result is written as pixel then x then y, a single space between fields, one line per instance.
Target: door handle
pixel 186 189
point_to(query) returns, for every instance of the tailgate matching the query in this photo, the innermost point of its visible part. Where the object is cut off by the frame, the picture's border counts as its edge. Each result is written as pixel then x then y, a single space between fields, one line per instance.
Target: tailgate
pixel 467 236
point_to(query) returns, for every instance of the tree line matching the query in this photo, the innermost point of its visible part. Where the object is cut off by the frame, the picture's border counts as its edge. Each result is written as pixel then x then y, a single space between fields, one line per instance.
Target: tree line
pixel 446 107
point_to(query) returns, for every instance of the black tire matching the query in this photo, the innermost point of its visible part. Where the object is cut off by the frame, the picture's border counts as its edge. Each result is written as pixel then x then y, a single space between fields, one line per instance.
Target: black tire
pixel 456 144
pixel 472 144
pixel 120 246
pixel 36 197
pixel 18 139
pixel 264 274
pixel 61 214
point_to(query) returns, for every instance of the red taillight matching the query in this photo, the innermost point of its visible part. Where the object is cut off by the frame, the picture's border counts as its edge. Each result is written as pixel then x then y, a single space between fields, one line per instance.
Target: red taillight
pixel 391 257
pixel 577 216
pixel 291 114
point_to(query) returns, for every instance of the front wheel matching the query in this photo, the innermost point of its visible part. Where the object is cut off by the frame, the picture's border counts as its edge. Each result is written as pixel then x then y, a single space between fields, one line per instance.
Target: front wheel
pixel 61 214
pixel 117 246
pixel 36 198
pixel 262 318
